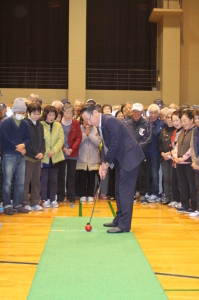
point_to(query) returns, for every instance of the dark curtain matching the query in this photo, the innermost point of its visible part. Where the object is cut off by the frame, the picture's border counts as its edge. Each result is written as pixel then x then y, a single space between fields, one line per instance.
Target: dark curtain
pixel 120 36
pixel 34 35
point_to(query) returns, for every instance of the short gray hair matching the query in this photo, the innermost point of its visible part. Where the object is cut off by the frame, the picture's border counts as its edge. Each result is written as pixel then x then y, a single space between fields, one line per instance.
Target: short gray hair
pixel 57 102
pixel 68 106
pixel 80 101
pixel 154 107
pixel 33 96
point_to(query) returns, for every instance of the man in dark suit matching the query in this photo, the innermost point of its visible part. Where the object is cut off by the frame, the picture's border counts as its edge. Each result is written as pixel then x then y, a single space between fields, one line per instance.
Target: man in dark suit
pixel 121 149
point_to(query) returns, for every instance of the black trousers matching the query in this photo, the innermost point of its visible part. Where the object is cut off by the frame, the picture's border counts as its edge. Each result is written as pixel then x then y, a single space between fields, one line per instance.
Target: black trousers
pixel 86 178
pixel 125 183
pixel 47 173
pixel 186 185
pixel 70 181
pixel 197 187
pixel 174 185
pixel 142 178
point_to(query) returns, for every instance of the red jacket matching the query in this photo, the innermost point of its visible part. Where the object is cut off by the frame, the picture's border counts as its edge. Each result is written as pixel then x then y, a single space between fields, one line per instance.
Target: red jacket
pixel 74 137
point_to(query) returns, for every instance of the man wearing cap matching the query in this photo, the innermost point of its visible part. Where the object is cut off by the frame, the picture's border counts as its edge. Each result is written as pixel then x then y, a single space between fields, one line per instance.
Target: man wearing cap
pixel 15 136
pixel 142 132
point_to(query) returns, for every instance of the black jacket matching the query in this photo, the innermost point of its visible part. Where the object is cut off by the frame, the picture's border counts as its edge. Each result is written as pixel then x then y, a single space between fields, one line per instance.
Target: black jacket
pixel 37 144
pixel 142 132
pixel 164 139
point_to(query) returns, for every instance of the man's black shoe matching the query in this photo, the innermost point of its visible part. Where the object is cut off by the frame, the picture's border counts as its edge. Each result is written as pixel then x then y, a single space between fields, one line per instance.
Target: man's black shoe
pixel 116 230
pixel 8 210
pixel 112 224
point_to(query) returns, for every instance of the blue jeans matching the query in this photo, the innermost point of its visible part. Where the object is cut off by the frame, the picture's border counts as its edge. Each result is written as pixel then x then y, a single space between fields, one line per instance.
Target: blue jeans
pixel 13 165
pixel 153 166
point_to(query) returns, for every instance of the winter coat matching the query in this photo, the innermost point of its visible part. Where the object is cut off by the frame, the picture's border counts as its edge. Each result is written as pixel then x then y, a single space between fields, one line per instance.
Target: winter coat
pixel 54 140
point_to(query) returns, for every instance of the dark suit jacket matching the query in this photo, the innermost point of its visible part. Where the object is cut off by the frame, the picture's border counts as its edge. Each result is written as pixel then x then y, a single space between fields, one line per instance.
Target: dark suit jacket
pixel 121 144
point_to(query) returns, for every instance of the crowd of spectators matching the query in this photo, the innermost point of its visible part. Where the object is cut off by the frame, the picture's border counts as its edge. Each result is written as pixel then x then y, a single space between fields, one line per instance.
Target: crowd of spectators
pixel 50 155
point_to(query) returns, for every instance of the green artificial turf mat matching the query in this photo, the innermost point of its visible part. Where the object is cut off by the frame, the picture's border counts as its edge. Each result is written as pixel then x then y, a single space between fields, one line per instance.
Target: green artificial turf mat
pixel 76 264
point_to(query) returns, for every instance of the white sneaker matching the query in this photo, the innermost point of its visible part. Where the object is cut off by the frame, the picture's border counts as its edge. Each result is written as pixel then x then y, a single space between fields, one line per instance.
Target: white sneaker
pixel 178 205
pixel 90 199
pixel 46 204
pixel 83 199
pixel 194 214
pixel 173 204
pixel 37 207
pixel 54 204
pixel 28 207
pixel 147 196
pixel 152 198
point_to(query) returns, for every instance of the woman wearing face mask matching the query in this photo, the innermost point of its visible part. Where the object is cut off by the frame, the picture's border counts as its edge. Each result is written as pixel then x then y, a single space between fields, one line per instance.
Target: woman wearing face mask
pixel 88 161
pixel 34 153
pixel 185 172
pixel 164 141
pixel 54 140
pixel 174 178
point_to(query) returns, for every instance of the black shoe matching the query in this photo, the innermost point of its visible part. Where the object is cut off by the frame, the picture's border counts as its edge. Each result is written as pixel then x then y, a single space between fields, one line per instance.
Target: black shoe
pixel 112 224
pixel 60 201
pixel 8 211
pixel 143 200
pixel 116 230
pixel 21 209
pixel 189 210
pixel 166 200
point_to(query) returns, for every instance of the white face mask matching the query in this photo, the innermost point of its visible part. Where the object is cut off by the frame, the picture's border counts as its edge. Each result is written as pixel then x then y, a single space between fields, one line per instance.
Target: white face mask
pixel 19 117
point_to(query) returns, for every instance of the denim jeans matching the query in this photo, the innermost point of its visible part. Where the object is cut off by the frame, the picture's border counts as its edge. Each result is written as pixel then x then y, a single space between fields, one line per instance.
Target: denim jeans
pixel 153 166
pixel 13 165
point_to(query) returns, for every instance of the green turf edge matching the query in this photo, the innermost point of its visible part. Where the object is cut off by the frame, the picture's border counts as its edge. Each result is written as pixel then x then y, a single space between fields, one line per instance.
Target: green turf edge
pixel 80 209
pixel 111 207
pixel 180 290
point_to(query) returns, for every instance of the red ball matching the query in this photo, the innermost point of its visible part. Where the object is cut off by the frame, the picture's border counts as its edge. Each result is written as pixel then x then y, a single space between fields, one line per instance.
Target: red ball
pixel 88 227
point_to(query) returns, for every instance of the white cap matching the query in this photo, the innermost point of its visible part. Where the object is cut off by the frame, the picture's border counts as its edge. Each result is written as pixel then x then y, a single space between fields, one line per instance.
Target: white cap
pixel 137 106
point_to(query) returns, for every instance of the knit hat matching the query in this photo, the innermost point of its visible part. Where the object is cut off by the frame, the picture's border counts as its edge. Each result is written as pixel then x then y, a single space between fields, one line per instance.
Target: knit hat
pixel 170 111
pixel 19 105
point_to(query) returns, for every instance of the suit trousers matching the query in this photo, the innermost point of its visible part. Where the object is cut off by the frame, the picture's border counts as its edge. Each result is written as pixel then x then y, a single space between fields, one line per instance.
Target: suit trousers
pixel 125 183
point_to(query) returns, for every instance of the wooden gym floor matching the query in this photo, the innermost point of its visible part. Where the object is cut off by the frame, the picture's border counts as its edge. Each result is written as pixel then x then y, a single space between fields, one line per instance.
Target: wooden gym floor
pixel 169 240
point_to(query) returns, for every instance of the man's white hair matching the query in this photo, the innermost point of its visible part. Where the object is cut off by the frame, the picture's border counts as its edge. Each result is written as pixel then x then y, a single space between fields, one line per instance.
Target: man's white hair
pixel 154 107
pixel 164 110
pixel 57 102
pixel 80 101
pixel 128 102
pixel 33 96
